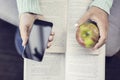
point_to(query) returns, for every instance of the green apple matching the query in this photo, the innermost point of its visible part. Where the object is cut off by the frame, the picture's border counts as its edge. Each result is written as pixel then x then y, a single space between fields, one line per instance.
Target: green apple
pixel 87 34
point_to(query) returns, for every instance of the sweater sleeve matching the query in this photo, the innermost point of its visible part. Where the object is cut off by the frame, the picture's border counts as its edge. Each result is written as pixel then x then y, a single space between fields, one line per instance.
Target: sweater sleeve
pixel 103 4
pixel 32 6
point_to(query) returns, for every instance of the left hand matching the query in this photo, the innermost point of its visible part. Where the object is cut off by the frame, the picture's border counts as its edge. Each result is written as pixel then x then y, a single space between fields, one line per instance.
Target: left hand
pixel 25 26
pixel 101 18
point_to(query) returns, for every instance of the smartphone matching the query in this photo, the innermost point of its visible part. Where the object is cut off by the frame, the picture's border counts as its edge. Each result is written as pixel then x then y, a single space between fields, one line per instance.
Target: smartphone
pixel 38 40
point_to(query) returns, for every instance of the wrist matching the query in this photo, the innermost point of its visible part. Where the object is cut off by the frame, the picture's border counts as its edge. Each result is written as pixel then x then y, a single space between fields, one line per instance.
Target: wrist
pixel 98 10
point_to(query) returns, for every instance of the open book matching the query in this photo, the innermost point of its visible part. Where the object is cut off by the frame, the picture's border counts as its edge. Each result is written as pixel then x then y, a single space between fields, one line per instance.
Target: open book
pixel 77 63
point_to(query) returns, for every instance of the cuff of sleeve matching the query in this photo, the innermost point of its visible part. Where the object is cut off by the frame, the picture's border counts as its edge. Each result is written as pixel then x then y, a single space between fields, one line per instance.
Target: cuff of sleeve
pixel 105 4
pixel 31 6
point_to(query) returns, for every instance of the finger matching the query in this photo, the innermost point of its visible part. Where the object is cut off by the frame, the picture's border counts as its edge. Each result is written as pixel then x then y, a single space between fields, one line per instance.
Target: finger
pixel 49 44
pixel 25 39
pixel 103 29
pixel 83 19
pixel 51 38
pixel 52 33
pixel 26 21
pixel 100 43
pixel 24 31
pixel 103 35
pixel 102 40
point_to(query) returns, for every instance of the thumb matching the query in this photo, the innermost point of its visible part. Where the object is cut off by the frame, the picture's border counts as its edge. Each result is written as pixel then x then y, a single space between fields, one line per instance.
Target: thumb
pixel 24 31
pixel 83 19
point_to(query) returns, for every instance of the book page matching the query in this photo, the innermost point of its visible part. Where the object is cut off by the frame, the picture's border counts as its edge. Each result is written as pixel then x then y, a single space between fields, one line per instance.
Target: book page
pixel 81 63
pixel 84 65
pixel 55 11
pixel 51 68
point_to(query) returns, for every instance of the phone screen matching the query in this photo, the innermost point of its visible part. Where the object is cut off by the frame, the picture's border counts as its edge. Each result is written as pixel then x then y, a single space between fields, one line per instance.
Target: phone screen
pixel 38 40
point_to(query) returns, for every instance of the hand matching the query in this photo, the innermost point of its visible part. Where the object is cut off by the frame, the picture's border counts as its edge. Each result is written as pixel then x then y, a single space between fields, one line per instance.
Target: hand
pixel 101 18
pixel 25 26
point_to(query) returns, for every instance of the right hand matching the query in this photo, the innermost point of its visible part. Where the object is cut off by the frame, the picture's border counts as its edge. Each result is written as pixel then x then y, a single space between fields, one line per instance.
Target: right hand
pixel 25 26
pixel 101 18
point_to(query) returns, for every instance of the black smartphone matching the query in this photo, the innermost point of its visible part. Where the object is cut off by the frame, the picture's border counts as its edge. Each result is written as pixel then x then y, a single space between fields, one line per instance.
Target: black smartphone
pixel 38 40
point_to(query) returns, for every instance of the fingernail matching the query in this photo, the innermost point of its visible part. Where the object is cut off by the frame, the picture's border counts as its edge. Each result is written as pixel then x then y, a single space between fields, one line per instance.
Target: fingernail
pixel 50 38
pixel 76 25
pixel 49 44
pixel 52 33
pixel 23 45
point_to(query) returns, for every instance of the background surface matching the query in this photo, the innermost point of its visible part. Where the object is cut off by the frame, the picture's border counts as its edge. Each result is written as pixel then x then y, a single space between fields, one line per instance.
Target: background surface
pixel 11 63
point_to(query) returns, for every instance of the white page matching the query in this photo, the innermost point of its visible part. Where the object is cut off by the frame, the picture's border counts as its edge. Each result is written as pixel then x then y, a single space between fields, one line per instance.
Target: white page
pixel 81 63
pixel 55 11
pixel 51 68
